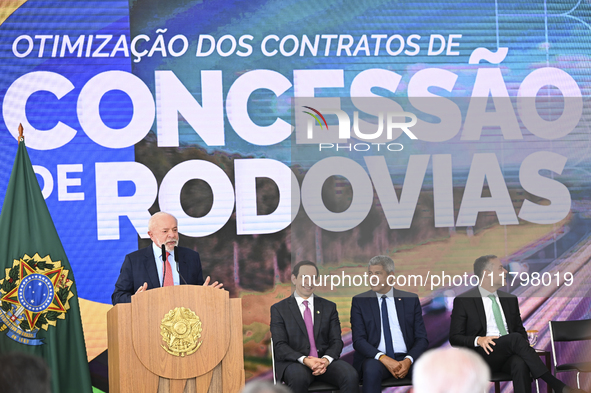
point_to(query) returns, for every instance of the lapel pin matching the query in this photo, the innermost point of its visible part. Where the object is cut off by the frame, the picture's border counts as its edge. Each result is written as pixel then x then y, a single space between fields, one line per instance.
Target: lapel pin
pixel 317 312
pixel 399 299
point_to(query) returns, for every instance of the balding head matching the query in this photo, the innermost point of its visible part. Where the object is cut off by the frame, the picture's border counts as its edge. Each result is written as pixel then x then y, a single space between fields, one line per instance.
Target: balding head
pixel 450 370
pixel 157 217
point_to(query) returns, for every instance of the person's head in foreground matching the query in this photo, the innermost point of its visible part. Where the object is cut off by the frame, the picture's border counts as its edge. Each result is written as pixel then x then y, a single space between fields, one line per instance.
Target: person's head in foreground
pixel 264 387
pixel 23 373
pixel 450 370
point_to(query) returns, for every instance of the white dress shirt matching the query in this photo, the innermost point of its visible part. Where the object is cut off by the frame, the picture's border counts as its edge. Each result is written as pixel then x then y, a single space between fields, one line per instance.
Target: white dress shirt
pixel 397 337
pixel 491 324
pixel 158 257
pixel 300 301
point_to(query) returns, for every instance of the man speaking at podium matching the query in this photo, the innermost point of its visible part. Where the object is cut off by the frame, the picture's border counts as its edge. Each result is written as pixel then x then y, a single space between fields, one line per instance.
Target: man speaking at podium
pixel 160 265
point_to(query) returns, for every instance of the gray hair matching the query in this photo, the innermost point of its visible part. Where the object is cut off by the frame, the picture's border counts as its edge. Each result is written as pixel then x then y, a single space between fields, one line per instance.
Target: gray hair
pixel 386 262
pixel 155 217
pixel 264 387
pixel 450 370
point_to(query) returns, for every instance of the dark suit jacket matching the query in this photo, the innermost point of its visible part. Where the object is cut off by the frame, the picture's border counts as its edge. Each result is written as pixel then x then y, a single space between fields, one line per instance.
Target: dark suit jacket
pixel 140 267
pixel 468 318
pixel 290 337
pixel 367 326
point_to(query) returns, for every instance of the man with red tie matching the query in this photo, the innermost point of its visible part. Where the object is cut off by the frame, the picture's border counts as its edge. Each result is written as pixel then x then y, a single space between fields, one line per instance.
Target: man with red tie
pixel 307 340
pixel 149 268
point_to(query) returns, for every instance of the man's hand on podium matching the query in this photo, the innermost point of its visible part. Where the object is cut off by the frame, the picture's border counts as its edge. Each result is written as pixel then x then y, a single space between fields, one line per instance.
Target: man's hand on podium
pixel 215 284
pixel 142 288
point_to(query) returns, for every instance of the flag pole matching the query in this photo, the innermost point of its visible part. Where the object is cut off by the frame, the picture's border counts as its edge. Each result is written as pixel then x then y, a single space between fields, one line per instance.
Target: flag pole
pixel 21 137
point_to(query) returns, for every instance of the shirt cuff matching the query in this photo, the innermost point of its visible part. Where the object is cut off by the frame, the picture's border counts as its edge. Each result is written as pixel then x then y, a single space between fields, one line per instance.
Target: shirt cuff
pixel 411 359
pixel 330 359
pixel 476 341
pixel 378 355
pixel 301 359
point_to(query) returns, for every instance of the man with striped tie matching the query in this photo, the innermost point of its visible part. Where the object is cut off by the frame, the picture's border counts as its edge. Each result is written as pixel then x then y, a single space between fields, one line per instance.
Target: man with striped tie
pixel 306 334
pixel 152 267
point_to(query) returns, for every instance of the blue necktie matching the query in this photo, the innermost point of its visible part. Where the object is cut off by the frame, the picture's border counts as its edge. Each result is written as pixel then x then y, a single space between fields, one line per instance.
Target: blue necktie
pixel 386 327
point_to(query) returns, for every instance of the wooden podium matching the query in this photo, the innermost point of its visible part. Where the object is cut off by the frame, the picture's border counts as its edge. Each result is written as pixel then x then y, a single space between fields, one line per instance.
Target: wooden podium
pixel 178 339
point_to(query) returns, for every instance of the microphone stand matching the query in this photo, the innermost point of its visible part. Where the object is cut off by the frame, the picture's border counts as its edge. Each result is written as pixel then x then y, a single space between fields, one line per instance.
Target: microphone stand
pixel 176 259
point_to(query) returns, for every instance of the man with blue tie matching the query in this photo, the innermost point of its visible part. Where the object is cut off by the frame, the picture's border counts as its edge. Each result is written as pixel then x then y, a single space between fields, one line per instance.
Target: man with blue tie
pixel 306 334
pixel 388 329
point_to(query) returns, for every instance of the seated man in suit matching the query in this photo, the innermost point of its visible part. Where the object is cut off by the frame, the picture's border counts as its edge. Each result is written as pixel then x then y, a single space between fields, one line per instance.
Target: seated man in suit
pixel 146 268
pixel 307 340
pixel 488 321
pixel 388 329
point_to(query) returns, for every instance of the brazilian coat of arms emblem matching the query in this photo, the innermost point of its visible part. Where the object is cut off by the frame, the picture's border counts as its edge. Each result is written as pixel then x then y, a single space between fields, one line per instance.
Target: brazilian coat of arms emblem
pixel 34 294
pixel 181 330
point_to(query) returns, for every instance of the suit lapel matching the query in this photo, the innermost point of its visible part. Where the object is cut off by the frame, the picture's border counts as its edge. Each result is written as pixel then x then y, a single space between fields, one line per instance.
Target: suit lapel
pixel 183 268
pixel 480 310
pixel 505 305
pixel 479 307
pixel 150 265
pixel 374 306
pixel 317 316
pixel 400 312
pixel 297 315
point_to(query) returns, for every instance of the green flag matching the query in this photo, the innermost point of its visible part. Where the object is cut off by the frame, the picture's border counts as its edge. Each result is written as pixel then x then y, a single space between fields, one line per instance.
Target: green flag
pixel 39 311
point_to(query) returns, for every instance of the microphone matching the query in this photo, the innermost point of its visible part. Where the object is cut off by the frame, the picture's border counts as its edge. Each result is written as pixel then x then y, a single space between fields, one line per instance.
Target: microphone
pixel 163 263
pixel 176 259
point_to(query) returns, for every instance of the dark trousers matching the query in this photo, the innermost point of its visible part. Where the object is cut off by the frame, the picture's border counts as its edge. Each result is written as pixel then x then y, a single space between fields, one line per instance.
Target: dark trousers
pixel 513 354
pixel 373 372
pixel 339 373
